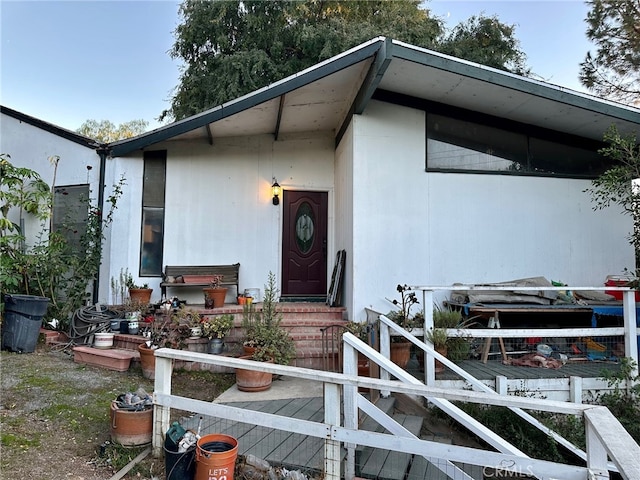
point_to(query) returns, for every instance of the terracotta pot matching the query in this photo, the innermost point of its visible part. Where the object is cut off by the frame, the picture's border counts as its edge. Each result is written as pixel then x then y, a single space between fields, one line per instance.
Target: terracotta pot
pixel 442 351
pixel 215 296
pixel 140 295
pixel 248 351
pixel 363 370
pixel 251 380
pixel 147 361
pixel 400 353
pixel 131 428
pixel 439 367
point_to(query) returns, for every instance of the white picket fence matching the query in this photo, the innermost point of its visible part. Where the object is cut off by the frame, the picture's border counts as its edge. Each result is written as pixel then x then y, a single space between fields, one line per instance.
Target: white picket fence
pixel 605 436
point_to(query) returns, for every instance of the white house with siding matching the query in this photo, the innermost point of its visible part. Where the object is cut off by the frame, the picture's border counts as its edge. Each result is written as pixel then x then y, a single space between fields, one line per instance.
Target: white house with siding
pixel 425 169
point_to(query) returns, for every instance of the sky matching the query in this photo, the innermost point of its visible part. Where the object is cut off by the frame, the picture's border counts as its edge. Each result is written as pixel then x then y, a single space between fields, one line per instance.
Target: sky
pixel 65 62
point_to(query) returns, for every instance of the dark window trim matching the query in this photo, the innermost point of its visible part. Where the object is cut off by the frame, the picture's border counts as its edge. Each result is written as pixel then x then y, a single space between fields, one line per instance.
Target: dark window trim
pixel 152 155
pixel 458 113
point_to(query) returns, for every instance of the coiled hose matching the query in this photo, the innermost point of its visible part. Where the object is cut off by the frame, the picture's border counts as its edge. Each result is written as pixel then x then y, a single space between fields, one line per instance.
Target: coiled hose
pixel 89 320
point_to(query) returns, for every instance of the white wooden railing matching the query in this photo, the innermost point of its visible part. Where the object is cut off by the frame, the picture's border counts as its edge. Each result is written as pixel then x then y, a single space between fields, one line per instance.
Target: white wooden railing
pixel 604 434
pixel 630 331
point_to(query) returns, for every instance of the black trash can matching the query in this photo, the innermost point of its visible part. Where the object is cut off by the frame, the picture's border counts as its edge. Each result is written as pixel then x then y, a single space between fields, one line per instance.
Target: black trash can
pixel 22 320
pixel 179 465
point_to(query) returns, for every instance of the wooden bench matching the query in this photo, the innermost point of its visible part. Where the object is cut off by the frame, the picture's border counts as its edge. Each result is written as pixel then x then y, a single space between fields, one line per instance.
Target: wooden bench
pixel 230 276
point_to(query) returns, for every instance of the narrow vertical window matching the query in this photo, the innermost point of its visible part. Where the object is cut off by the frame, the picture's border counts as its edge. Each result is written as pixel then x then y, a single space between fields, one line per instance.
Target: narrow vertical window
pixel 153 189
pixel 70 204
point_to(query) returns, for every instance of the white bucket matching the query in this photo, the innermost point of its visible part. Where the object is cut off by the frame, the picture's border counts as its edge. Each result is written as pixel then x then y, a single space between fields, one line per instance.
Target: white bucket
pixel 253 293
pixel 103 340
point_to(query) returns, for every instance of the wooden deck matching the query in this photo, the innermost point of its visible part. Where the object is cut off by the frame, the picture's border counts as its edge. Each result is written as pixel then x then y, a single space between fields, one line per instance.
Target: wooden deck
pixel 305 453
pixel 280 448
pixel 493 368
pixel 301 452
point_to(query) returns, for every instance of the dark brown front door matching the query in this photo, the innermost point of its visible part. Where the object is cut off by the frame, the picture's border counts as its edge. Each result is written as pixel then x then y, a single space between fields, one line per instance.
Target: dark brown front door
pixel 304 243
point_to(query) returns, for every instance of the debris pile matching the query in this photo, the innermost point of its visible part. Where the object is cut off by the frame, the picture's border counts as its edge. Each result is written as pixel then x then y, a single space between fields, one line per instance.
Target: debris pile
pixel 134 401
pixel 250 467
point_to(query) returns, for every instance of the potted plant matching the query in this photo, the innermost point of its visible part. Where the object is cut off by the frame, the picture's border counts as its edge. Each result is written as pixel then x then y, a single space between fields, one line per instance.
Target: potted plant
pixel 214 294
pixel 169 330
pixel 138 293
pixel 266 339
pixel 401 347
pixel 438 337
pixel 361 331
pixel 455 348
pixel 187 320
pixel 215 329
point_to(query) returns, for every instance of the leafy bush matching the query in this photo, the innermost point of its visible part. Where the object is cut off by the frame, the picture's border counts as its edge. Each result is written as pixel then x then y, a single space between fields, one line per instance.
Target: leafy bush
pixel 52 267
pixel 263 330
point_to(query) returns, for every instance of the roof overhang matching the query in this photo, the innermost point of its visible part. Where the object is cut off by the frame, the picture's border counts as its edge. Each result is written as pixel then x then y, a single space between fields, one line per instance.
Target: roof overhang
pixel 51 128
pixel 324 96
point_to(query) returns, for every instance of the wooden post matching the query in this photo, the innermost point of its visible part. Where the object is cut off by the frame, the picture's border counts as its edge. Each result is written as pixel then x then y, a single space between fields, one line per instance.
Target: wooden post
pixel 161 414
pixel 332 417
pixel 596 452
pixel 630 327
pixel 350 392
pixel 385 351
pixel 429 361
pixel 575 389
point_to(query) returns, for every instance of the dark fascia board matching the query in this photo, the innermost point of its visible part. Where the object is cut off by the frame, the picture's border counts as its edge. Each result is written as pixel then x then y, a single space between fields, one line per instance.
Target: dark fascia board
pixel 282 87
pixel 368 87
pixel 51 128
pixel 515 82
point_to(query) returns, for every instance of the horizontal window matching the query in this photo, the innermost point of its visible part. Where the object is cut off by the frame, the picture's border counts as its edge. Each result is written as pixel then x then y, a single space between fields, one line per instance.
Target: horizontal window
pixel 457 144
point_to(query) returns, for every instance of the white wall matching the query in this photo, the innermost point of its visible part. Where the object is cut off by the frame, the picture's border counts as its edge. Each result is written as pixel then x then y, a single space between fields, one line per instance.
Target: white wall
pixel 31 147
pixel 218 204
pixel 436 229
pixel 344 213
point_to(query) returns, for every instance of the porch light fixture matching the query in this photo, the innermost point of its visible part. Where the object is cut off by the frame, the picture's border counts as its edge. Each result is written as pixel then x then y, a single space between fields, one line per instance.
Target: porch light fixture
pixel 276 190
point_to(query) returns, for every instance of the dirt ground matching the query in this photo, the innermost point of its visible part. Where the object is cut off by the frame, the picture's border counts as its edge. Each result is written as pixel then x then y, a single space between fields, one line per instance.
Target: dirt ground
pixel 54 416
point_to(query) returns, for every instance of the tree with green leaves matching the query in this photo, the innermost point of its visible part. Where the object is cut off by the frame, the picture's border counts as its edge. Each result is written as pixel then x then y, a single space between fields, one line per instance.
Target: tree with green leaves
pixel 230 48
pixel 487 41
pixel 105 131
pixel 619 185
pixel 614 70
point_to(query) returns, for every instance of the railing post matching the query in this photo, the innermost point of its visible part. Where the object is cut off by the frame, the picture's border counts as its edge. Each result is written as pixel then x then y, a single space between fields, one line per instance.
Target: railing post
pixel 350 367
pixel 429 361
pixel 332 417
pixel 502 386
pixel 385 351
pixel 630 327
pixel 161 414
pixel 596 453
pixel 575 389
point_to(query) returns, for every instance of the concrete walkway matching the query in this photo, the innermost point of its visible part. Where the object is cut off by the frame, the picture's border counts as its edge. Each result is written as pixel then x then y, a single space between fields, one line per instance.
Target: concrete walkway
pixel 281 388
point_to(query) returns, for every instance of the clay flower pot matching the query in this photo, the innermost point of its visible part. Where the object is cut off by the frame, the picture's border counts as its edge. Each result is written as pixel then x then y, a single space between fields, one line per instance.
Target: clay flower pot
pixel 400 353
pixel 147 361
pixel 214 297
pixel 140 295
pixel 252 380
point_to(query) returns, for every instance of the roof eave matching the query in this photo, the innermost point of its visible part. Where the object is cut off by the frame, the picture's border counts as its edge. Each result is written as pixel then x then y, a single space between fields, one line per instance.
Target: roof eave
pixel 51 128
pixel 515 82
pixel 282 87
